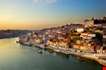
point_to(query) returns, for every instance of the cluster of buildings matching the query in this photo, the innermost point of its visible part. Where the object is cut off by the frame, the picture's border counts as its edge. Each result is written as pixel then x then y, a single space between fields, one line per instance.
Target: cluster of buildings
pixel 104 32
pixel 30 39
pixel 87 37
pixel 57 39
pixel 91 36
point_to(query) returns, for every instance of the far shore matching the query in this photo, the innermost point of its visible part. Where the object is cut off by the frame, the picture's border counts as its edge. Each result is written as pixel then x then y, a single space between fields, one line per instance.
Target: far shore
pixel 12 33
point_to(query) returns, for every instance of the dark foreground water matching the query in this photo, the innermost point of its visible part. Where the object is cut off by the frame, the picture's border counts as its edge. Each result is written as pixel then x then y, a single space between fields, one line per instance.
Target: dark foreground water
pixel 15 57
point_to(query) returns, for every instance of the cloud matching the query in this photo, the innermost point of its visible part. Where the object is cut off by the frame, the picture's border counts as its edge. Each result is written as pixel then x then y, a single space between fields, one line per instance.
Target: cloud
pixel 51 1
pixel 36 1
pixel 45 1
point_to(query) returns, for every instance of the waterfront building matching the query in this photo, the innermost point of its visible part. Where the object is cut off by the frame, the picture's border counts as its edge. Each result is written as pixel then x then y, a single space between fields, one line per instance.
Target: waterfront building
pixel 104 32
pixel 23 38
pixel 63 43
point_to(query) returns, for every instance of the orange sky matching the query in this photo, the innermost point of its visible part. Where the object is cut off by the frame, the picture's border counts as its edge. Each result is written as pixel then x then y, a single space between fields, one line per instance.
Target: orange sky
pixel 26 25
pixel 38 14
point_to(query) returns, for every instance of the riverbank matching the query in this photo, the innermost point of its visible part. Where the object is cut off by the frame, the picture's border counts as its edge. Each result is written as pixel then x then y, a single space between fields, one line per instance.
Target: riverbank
pixel 92 56
pixel 15 57
pixel 12 33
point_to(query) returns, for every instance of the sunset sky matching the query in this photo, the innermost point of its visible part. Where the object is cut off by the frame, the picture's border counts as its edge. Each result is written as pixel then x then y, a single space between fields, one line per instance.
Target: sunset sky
pixel 37 14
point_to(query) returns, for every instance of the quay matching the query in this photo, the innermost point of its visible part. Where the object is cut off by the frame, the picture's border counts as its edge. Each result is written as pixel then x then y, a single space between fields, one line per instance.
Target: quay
pixel 92 56
pixel 99 58
pixel 74 39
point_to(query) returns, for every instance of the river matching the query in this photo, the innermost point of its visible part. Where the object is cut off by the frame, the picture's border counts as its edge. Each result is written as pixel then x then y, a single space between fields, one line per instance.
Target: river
pixel 16 57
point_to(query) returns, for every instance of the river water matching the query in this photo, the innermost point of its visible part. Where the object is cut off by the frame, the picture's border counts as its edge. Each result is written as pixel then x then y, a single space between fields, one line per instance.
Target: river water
pixel 16 57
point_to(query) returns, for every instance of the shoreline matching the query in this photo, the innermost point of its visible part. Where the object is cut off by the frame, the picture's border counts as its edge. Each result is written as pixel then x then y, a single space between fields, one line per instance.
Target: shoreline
pixel 71 51
pixel 90 56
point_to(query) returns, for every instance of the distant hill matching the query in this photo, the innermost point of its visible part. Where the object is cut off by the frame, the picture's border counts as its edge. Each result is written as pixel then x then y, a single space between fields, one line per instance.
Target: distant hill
pixel 12 33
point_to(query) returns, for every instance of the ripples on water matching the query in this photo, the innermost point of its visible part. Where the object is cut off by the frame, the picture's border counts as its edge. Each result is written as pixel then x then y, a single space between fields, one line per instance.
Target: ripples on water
pixel 16 57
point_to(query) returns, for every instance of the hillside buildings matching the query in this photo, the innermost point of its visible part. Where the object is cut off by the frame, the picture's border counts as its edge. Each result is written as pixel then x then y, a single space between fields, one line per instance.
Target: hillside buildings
pixel 87 37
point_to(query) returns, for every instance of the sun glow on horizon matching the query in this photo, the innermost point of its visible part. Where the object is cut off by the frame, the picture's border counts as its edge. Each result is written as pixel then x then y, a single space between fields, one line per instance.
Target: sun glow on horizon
pixel 37 14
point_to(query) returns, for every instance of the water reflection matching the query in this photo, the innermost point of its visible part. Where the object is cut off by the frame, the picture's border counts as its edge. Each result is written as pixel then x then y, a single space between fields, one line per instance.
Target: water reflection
pixel 15 57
